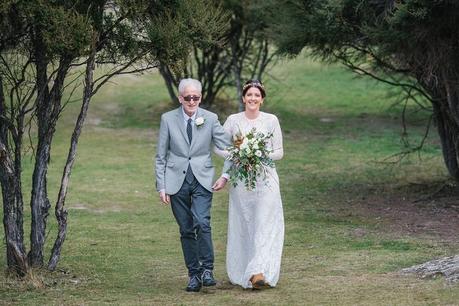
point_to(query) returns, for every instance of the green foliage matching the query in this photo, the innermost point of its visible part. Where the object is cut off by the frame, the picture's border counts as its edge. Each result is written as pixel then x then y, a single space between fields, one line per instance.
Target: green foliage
pixel 390 35
pixel 62 31
pixel 67 27
pixel 178 27
pixel 60 28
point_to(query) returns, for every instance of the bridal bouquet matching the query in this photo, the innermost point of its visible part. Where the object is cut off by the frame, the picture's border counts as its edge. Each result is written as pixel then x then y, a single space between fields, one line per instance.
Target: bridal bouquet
pixel 250 158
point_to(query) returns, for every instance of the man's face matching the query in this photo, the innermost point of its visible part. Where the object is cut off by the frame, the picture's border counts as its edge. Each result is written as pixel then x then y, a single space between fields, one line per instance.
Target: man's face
pixel 187 99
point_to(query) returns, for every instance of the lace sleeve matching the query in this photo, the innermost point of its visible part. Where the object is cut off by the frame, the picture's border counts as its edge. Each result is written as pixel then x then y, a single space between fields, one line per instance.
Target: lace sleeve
pixel 278 150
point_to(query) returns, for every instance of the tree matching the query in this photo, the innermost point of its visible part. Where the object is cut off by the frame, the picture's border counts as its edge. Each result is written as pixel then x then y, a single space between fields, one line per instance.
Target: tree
pixel 245 54
pixel 411 44
pixel 43 45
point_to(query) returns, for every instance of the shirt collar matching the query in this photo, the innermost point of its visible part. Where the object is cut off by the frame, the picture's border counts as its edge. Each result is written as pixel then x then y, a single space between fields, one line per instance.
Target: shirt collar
pixel 186 117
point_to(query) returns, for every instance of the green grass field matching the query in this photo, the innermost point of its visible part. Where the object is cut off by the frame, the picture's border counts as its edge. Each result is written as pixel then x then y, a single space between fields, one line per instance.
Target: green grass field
pixel 123 247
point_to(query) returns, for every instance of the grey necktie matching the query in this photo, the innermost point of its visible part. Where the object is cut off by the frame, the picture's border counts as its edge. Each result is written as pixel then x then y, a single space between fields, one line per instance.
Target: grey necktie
pixel 188 130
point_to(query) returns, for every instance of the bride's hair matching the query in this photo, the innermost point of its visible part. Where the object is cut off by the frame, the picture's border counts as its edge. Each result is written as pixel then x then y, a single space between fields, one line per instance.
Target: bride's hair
pixel 254 83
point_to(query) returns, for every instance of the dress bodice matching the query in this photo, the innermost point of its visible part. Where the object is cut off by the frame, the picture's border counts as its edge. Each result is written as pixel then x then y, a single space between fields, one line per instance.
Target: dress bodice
pixel 265 123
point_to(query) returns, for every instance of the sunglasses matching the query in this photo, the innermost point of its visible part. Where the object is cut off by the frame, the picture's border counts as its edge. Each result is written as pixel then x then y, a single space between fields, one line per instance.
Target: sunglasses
pixel 189 98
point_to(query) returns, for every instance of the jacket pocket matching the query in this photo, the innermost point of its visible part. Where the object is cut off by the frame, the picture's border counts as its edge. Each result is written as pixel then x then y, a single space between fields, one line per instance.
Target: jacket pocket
pixel 170 165
pixel 208 165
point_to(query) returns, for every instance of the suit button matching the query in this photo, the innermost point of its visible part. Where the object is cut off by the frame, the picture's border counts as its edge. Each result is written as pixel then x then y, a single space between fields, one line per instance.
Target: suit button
pixel 184 171
pixel 189 158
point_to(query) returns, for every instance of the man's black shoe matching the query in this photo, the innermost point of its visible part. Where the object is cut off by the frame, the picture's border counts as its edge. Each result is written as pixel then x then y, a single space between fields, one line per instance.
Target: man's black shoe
pixel 208 278
pixel 194 285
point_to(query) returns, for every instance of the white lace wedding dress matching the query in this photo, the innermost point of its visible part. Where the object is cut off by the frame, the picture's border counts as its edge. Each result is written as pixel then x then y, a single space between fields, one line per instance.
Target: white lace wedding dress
pixel 255 218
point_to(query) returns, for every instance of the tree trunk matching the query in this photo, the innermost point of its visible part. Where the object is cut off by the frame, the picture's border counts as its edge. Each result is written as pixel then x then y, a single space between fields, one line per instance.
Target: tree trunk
pixel 237 71
pixel 60 211
pixel 237 78
pixel 39 203
pixel 15 251
pixel 170 82
pixel 12 199
pixel 48 109
pixel 449 133
pixel 18 175
pixel 445 101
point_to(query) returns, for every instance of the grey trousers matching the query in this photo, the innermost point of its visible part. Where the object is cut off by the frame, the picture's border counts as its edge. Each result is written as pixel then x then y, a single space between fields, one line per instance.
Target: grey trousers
pixel 191 207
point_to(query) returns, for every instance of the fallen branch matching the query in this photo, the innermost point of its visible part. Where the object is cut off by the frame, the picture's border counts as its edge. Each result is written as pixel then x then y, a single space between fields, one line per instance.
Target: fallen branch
pixel 446 266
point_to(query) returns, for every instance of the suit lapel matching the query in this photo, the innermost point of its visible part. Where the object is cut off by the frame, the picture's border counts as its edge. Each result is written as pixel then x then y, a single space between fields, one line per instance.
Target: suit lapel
pixel 181 124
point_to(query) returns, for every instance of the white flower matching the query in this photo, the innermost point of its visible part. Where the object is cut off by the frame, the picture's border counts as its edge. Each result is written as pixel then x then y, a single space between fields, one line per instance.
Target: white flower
pixel 245 143
pixel 258 153
pixel 199 121
pixel 247 150
pixel 255 146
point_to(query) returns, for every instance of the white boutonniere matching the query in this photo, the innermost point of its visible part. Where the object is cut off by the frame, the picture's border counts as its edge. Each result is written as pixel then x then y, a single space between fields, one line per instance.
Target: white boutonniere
pixel 199 121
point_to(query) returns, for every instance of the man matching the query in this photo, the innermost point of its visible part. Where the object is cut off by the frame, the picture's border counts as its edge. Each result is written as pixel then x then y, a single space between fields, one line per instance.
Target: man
pixel 184 175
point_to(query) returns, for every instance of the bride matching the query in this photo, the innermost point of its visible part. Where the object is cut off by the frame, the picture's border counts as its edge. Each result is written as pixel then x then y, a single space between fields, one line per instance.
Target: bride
pixel 255 217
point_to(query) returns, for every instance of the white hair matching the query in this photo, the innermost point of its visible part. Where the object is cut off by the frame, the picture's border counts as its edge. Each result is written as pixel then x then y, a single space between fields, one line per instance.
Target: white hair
pixel 184 83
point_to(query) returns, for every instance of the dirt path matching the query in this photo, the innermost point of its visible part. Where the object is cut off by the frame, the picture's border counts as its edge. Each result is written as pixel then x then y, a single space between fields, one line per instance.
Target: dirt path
pixel 417 210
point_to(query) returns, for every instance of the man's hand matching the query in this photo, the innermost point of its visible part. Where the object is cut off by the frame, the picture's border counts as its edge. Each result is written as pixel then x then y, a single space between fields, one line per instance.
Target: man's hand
pixel 219 184
pixel 165 198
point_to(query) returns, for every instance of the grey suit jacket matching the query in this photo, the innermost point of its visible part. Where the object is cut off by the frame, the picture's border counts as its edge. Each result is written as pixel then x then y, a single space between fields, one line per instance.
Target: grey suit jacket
pixel 174 152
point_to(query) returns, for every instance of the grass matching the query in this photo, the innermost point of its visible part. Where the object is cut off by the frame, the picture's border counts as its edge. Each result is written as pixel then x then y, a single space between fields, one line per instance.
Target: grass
pixel 123 247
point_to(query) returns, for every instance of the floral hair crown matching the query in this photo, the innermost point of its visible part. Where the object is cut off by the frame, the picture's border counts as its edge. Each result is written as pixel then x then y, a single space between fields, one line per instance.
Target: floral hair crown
pixel 253 84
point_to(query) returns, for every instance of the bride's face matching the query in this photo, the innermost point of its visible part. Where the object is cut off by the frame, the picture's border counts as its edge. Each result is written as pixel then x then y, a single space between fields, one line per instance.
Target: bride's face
pixel 252 99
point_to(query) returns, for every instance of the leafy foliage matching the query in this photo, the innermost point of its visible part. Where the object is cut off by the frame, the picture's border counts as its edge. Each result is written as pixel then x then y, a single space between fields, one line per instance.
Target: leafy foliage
pixel 184 25
pixel 410 44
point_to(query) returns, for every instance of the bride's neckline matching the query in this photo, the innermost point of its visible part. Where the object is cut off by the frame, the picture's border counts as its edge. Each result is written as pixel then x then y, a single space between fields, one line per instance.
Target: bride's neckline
pixel 249 119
